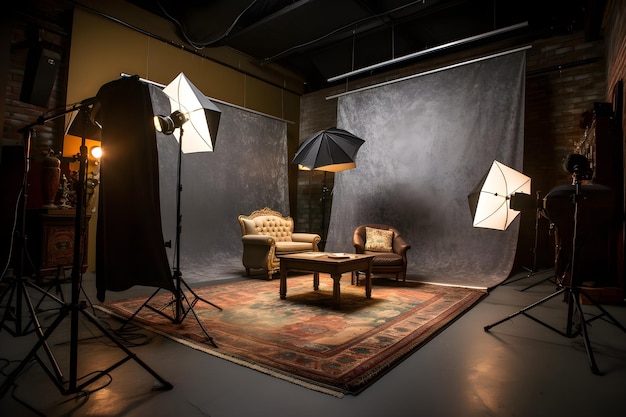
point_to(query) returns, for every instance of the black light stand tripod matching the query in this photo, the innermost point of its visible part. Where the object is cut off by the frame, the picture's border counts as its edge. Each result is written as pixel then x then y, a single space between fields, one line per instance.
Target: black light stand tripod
pixel 74 308
pixel 573 295
pixel 19 285
pixel 180 302
pixel 539 213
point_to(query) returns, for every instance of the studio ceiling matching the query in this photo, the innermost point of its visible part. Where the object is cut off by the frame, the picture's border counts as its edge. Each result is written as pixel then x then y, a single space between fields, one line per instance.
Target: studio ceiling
pixel 320 39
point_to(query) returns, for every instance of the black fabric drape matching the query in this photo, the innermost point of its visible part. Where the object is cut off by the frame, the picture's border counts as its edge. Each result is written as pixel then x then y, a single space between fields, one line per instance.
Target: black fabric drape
pixel 130 249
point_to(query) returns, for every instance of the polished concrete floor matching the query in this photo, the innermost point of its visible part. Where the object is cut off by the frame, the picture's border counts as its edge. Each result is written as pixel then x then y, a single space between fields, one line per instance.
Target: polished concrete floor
pixel 517 368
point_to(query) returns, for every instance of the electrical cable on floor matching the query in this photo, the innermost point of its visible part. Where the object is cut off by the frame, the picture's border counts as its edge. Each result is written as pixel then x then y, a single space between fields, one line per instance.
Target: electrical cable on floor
pixel 81 394
pixel 129 336
pixel 15 386
pixel 24 403
pixel 126 334
pixel 86 393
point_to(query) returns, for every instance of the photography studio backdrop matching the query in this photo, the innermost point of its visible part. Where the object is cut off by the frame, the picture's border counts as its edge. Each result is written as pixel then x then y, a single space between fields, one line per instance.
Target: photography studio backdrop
pixel 246 171
pixel 138 190
pixel 428 141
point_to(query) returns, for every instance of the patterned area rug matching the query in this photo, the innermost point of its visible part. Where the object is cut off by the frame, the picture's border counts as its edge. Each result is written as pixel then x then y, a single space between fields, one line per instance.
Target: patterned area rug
pixel 302 338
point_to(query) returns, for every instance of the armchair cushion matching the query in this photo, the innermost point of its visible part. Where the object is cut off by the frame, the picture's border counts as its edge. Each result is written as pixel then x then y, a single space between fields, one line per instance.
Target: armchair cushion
pixel 378 240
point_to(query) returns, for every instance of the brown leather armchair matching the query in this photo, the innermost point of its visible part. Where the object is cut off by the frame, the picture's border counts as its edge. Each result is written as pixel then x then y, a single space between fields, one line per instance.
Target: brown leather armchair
pixel 389 259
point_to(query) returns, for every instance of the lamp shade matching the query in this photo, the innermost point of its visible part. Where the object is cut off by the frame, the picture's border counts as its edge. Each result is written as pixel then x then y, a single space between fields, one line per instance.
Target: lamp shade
pixel 81 125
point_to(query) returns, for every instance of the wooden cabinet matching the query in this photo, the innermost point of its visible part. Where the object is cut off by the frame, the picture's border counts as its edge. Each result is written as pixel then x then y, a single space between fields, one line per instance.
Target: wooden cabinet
pixel 50 244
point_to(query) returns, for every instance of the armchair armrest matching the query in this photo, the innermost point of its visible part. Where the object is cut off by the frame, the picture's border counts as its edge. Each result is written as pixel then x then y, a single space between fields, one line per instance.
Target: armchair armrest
pixel 311 238
pixel 259 252
pixel 306 237
pixel 400 246
pixel 359 243
pixel 258 240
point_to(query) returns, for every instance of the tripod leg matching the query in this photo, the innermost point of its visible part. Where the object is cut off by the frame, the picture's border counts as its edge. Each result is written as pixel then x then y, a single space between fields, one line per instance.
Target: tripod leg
pixel 538 282
pixel 130 355
pixel 612 319
pixel 19 294
pixel 181 311
pixel 524 310
pixel 33 353
pixel 145 304
pixel 11 290
pixel 583 327
pixel 190 308
pixel 533 269
pixel 58 378
pixel 197 297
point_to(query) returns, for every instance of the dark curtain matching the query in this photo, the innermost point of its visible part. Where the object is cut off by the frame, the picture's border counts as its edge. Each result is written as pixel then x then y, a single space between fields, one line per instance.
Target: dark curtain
pixel 137 213
pixel 428 142
pixel 130 247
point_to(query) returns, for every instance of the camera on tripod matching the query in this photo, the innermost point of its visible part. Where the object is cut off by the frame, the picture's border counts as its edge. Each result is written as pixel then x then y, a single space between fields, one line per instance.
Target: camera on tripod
pixel 586 211
pixel 579 166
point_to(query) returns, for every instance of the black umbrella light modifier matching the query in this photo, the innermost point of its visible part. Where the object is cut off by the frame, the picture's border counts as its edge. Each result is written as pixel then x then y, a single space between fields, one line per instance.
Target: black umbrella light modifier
pixel 331 150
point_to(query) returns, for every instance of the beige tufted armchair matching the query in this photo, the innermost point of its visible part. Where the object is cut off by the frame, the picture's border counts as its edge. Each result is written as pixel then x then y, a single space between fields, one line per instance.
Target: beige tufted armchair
pixel 266 234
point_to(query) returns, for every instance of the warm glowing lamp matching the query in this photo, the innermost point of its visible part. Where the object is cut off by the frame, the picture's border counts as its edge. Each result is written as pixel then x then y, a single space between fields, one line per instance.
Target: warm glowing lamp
pixel 96 152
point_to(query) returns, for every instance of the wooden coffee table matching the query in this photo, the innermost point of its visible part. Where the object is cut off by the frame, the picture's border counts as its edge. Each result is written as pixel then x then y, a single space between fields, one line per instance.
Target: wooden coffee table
pixel 330 263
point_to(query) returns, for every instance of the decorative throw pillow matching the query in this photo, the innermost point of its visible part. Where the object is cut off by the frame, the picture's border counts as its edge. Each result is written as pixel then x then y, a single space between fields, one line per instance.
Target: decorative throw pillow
pixel 378 240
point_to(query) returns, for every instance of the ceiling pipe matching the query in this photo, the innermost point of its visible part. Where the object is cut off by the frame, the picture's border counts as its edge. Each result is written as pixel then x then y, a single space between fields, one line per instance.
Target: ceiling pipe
pixel 268 19
pixel 430 50
pixel 471 61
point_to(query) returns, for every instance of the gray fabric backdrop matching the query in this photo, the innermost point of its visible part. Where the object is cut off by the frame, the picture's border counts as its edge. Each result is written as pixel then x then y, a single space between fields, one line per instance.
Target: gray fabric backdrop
pixel 246 171
pixel 428 142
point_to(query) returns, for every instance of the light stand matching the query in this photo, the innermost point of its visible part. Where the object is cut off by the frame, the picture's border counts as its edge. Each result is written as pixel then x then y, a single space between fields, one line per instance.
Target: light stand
pixel 73 309
pixel 533 270
pixel 573 295
pixel 325 192
pixel 182 305
pixel 329 150
pixel 18 287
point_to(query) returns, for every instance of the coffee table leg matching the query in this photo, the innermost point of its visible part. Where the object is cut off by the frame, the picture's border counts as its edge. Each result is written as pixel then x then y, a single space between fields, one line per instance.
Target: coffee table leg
pixel 336 287
pixel 368 282
pixel 283 281
pixel 316 281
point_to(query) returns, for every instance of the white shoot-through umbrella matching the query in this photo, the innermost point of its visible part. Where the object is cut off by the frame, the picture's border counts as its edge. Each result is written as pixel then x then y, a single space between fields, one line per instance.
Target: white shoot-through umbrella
pixel 200 128
pixel 490 200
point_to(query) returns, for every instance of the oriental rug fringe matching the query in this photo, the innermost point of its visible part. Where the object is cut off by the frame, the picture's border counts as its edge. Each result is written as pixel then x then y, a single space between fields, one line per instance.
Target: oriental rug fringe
pixel 303 338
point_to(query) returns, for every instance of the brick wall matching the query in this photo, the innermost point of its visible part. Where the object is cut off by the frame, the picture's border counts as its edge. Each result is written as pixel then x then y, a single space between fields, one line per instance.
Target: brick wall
pixel 30 27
